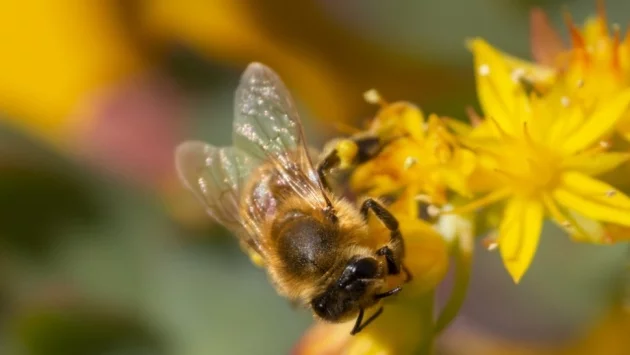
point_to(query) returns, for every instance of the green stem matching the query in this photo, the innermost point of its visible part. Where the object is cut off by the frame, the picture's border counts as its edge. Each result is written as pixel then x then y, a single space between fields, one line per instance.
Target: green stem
pixel 427 302
pixel 463 262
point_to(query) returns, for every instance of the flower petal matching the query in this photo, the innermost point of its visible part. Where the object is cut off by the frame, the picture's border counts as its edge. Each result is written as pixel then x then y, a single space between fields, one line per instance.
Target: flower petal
pixel 600 122
pixel 495 86
pixel 589 230
pixel 427 255
pixel 546 43
pixel 595 164
pixel 617 233
pixel 623 127
pixel 399 119
pixel 593 198
pixel 519 233
pixel 580 228
pixel 457 126
pixel 570 119
pixel 595 30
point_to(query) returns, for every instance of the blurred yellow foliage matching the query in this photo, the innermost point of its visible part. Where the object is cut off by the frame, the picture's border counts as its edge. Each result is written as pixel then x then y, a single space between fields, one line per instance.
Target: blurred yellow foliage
pixel 59 54
pixel 55 54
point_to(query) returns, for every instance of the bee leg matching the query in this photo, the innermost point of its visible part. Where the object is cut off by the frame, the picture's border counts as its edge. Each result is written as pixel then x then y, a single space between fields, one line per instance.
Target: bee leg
pixel 368 148
pixel 392 266
pixel 348 152
pixel 383 214
pixel 330 162
pixel 358 326
pixel 395 249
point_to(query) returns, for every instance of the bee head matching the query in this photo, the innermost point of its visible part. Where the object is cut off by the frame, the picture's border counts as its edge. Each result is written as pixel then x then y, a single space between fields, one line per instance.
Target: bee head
pixel 356 288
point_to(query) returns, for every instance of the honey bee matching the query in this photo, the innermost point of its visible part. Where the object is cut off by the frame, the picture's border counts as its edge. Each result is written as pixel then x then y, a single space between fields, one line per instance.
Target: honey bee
pixel 316 247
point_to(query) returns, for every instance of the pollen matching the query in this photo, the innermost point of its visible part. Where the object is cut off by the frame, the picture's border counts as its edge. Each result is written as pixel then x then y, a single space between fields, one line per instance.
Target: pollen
pixel 372 96
pixel 423 198
pixel 518 74
pixel 565 101
pixel 347 151
pixel 484 70
pixel 433 211
pixel 409 162
pixel 490 242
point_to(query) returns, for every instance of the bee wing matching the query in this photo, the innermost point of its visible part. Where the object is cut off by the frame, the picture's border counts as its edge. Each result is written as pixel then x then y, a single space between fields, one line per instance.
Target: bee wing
pixel 268 128
pixel 216 176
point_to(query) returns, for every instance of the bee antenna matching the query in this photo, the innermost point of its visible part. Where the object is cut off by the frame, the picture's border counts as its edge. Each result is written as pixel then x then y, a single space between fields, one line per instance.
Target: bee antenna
pixel 391 292
pixel 358 326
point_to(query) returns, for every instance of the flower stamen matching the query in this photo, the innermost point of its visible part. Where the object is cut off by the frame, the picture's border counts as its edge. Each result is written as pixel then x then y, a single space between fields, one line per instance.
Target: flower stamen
pixel 473 116
pixel 502 132
pixel 528 137
pixel 484 70
pixel 490 242
pixel 597 149
pixel 410 162
pixel 372 96
pixel 488 199
pixel 424 198
pixel 433 211
pixel 517 75
pixel 345 128
pixel 514 177
pixel 555 212
pixel 576 37
pixel 580 83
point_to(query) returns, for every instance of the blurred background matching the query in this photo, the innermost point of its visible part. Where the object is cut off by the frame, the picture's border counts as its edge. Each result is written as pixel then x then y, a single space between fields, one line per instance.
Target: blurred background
pixel 102 252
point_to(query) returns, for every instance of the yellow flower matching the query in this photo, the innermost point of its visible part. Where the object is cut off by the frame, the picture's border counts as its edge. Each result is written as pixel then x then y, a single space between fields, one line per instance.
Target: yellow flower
pixel 541 154
pixel 420 155
pixel 594 67
pixel 438 163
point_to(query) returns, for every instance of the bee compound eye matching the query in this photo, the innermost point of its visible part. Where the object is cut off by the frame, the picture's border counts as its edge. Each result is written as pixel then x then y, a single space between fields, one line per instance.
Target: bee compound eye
pixel 319 303
pixel 365 268
pixel 321 306
pixel 357 287
pixel 333 304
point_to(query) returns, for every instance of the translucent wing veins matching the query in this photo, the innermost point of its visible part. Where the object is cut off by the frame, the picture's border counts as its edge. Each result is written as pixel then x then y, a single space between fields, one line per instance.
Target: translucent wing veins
pixel 267 127
pixel 216 177
pixel 267 130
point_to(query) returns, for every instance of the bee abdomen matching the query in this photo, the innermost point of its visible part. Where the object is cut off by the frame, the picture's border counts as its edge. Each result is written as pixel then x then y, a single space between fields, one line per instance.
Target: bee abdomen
pixel 305 245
